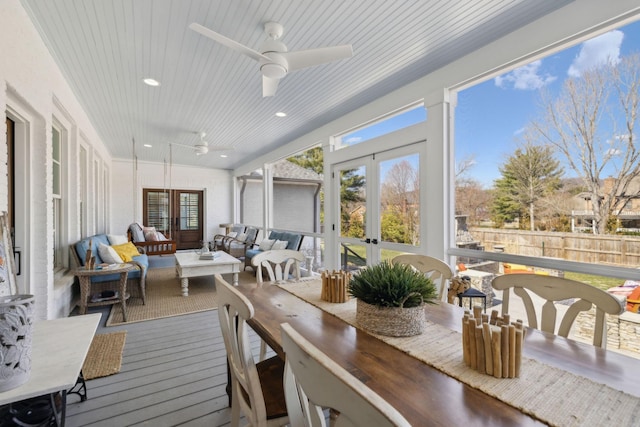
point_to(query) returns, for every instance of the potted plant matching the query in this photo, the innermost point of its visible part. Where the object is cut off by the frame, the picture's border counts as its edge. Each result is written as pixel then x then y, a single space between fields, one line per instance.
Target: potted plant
pixel 391 298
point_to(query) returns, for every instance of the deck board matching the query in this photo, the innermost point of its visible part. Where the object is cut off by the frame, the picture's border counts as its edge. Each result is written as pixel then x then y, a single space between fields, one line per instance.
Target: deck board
pixel 173 374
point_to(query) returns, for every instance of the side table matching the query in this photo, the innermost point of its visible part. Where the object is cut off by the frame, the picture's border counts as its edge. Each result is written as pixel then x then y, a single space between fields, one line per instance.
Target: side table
pixel 84 276
pixel 472 293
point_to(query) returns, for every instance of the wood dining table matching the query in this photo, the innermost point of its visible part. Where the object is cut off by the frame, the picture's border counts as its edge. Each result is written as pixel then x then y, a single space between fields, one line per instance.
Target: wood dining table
pixel 421 393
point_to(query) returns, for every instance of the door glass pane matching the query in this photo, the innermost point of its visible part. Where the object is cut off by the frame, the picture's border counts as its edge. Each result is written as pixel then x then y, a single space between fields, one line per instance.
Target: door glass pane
pixel 400 200
pixel 353 206
pixel 353 257
pixel 189 219
pixel 158 210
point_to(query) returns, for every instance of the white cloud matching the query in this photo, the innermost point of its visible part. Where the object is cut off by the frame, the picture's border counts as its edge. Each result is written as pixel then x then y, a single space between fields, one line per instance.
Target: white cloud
pixel 527 77
pixel 352 140
pixel 596 52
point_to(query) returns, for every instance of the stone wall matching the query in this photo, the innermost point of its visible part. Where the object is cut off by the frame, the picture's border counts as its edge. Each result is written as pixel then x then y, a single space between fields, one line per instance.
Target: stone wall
pixel 623 332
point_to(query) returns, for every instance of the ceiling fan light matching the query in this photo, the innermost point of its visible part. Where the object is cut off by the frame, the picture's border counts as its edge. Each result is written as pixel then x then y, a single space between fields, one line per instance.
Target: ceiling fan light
pixel 273 71
pixel 201 149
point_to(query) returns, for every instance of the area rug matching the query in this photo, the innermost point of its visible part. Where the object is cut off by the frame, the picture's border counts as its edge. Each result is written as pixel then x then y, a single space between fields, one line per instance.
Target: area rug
pixel 105 355
pixel 164 297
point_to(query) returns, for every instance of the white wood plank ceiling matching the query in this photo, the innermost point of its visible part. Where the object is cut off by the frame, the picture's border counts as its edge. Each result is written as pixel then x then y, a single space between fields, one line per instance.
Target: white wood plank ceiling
pixel 106 47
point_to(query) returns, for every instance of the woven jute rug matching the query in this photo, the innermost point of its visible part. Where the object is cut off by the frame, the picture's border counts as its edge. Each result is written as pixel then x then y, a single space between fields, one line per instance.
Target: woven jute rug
pixel 552 395
pixel 105 355
pixel 164 297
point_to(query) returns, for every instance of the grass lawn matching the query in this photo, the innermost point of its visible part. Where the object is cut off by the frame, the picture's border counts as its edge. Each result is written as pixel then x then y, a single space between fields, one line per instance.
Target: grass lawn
pixel 601 282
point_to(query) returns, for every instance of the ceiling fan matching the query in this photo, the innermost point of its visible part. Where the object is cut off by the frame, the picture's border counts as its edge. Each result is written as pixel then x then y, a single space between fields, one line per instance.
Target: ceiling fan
pixel 274 58
pixel 202 146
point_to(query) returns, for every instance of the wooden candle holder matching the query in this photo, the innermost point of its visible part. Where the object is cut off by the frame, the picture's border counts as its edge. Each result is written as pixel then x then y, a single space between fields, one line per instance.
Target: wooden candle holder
pixel 334 286
pixel 492 346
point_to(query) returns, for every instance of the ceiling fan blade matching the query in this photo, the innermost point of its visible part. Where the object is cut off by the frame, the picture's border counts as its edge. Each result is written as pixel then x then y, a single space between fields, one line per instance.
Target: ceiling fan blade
pixel 269 86
pixel 308 58
pixel 227 42
pixel 181 145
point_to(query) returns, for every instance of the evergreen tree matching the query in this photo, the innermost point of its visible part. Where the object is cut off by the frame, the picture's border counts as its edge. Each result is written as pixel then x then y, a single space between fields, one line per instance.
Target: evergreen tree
pixel 530 174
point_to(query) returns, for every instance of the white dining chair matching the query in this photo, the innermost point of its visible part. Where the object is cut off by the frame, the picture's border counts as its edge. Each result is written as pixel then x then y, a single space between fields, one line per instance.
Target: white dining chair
pixel 280 265
pixel 553 289
pixel 256 388
pixel 438 271
pixel 314 382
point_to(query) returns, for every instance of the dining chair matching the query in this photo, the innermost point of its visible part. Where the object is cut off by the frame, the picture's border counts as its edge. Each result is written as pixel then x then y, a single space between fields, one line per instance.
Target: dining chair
pixel 313 381
pixel 280 265
pixel 256 388
pixel 438 271
pixel 553 289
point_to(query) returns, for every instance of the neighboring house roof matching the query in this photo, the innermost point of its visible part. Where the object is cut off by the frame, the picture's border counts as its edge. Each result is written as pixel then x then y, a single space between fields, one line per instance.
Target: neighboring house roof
pixel 286 170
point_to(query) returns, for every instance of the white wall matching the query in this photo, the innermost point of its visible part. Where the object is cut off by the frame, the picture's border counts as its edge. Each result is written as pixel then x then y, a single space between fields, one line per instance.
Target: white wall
pixel 217 185
pixel 33 88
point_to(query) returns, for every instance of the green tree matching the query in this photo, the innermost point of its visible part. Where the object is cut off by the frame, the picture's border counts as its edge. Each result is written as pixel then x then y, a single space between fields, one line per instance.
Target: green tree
pixel 529 175
pixel 392 227
pixel 351 183
pixel 312 158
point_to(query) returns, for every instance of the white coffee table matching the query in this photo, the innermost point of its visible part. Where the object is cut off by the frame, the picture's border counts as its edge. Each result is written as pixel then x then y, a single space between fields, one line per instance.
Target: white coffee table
pixel 189 264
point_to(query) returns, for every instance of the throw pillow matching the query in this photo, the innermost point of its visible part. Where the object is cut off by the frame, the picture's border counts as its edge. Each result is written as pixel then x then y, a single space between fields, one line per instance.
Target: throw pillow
pixel 266 244
pixel 232 234
pixel 279 244
pixel 117 239
pixel 146 230
pixel 108 254
pixel 126 251
pixel 151 236
pixel 242 237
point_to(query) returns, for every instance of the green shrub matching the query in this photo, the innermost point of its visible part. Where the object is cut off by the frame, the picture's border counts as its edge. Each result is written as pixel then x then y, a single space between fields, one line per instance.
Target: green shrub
pixel 389 285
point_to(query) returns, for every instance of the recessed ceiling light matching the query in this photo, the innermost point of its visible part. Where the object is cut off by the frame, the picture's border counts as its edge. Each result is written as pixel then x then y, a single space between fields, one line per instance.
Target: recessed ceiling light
pixel 224 156
pixel 148 145
pixel 151 82
pixel 281 114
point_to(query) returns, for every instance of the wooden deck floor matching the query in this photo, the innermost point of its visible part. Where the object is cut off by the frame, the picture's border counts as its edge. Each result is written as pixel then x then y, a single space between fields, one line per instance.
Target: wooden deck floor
pixel 173 374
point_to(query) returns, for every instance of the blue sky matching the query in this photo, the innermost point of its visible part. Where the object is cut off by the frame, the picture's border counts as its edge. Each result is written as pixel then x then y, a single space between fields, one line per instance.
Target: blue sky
pixel 490 115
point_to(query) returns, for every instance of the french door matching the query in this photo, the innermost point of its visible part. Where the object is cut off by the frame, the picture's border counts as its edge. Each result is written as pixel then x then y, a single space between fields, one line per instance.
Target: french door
pixel 177 214
pixel 378 202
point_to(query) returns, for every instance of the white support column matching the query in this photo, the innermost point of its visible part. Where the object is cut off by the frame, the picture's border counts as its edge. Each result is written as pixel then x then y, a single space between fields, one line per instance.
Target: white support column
pixel 331 209
pixel 438 175
pixel 267 201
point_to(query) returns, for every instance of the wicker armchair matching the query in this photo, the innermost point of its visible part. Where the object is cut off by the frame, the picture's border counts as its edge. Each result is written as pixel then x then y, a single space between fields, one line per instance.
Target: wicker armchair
pixel 218 239
pixel 237 247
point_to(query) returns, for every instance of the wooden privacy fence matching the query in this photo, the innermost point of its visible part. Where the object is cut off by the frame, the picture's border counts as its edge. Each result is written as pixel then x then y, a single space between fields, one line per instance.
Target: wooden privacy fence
pixel 608 249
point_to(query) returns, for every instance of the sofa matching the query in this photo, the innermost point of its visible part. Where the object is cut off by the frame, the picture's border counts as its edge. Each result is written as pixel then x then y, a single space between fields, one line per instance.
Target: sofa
pixel 136 279
pixel 294 240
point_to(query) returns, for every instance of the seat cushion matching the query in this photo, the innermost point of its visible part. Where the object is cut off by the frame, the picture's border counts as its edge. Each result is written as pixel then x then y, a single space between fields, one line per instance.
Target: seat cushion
pixel 250 253
pixel 137 235
pixel 143 259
